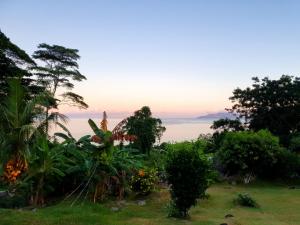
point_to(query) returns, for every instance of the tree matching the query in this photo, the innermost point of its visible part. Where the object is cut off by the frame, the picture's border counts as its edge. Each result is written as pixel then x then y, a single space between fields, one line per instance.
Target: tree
pixel 146 128
pixel 14 63
pixel 270 104
pixel 16 129
pixel 19 126
pixel 226 124
pixel 221 127
pixel 59 70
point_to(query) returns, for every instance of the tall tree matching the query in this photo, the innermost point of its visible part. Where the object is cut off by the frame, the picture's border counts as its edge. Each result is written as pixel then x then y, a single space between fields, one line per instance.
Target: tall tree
pixel 146 128
pixel 59 70
pixel 271 104
pixel 14 63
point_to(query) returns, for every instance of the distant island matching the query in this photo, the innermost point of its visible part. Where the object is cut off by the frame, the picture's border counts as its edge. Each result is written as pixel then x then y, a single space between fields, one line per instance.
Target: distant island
pixel 219 115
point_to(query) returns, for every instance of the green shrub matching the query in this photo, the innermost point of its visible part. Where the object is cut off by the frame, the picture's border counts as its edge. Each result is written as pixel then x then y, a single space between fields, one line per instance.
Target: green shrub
pixel 294 143
pixel 247 152
pixel 143 182
pixel 16 201
pixel 287 165
pixel 157 159
pixel 187 172
pixel 246 200
pixel 17 196
pixel 199 145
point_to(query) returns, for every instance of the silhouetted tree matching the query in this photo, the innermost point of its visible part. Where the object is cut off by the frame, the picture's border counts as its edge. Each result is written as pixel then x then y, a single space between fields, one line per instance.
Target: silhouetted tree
pixel 14 63
pixel 146 128
pixel 59 70
pixel 227 125
pixel 270 104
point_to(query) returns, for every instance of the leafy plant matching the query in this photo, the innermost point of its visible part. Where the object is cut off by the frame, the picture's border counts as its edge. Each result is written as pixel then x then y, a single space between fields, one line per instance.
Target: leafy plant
pixel 47 163
pixel 246 200
pixel 146 128
pixel 248 153
pixel 294 143
pixel 187 171
pixel 270 104
pixel 17 129
pixel 287 165
pixel 143 182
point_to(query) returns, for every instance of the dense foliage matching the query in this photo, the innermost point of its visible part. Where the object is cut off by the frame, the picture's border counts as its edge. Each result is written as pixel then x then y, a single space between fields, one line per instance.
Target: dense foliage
pixel 224 125
pixel 36 167
pixel 270 104
pixel 13 64
pixel 248 153
pixel 187 173
pixel 146 128
pixel 144 181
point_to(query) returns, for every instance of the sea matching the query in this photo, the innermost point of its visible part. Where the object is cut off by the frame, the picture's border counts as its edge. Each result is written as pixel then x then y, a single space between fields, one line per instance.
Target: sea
pixel 177 129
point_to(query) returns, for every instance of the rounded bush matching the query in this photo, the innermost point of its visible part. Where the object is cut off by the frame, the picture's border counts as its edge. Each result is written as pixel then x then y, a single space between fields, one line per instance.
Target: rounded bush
pixel 247 152
pixel 187 172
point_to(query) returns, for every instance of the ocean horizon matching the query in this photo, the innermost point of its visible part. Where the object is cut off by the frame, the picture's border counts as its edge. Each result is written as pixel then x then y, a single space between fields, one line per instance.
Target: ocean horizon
pixel 177 129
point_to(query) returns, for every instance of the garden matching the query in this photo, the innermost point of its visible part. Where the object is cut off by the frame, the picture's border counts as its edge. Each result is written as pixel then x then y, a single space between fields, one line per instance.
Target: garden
pixel 246 172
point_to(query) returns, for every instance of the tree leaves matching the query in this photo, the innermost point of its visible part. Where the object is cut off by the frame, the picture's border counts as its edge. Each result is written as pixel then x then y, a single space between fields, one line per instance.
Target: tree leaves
pixel 271 104
pixel 60 69
pixel 146 128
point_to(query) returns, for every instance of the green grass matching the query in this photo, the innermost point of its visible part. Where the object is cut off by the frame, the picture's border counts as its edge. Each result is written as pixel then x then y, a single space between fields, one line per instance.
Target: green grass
pixel 278 206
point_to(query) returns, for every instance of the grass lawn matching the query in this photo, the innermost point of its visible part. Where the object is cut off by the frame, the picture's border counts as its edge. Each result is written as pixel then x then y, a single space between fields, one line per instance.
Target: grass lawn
pixel 279 205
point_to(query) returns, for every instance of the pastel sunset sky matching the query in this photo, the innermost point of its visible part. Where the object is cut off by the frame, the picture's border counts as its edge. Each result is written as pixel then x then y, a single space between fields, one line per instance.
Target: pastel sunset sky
pixel 181 58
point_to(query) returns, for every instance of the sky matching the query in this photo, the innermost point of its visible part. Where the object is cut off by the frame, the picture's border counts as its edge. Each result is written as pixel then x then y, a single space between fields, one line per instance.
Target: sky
pixel 181 58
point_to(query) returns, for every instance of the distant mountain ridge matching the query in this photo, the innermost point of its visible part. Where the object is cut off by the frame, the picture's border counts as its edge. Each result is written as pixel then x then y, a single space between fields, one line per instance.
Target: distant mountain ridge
pixel 219 115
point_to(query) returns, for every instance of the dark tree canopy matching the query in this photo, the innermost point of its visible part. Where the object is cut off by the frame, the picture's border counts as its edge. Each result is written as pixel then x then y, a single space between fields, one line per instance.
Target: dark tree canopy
pixel 270 104
pixel 13 64
pixel 226 124
pixel 59 70
pixel 146 128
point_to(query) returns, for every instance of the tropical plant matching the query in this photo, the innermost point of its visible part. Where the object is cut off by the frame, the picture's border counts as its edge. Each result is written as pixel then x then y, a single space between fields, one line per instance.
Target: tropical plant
pixel 16 129
pixel 113 164
pixel 104 168
pixel 47 164
pixel 124 164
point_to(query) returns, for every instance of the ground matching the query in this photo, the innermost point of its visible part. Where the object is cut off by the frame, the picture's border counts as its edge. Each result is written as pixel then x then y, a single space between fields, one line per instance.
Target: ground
pixel 279 205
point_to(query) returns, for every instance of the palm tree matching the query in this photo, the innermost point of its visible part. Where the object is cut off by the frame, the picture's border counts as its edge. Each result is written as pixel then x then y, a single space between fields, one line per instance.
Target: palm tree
pixel 20 123
pixel 17 128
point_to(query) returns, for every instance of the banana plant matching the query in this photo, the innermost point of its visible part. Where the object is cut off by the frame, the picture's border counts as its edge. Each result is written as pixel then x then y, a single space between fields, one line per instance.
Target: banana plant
pixel 47 163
